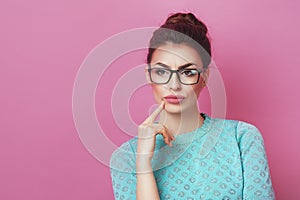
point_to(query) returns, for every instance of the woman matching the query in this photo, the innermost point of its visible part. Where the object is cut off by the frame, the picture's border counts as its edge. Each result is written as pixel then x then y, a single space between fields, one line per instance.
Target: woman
pixel 186 154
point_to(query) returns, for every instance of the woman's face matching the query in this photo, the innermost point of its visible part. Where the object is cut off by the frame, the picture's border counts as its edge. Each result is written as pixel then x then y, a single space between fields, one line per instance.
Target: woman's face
pixel 177 96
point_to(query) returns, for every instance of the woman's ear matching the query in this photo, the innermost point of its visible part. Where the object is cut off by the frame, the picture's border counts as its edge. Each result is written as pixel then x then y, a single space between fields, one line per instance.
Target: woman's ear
pixel 147 74
pixel 205 76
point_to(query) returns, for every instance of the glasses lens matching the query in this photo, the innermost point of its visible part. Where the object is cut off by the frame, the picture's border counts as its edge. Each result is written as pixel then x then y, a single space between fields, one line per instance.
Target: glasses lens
pixel 159 75
pixel 189 76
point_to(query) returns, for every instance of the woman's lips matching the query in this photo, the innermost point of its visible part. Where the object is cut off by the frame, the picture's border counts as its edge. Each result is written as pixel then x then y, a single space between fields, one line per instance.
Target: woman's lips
pixel 174 99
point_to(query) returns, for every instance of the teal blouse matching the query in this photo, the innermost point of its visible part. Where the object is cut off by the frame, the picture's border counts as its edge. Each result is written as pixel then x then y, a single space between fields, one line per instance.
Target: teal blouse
pixel 223 159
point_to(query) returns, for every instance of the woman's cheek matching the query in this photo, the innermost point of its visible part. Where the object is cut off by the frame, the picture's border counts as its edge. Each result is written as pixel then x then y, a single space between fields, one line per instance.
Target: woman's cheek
pixel 157 93
pixel 197 89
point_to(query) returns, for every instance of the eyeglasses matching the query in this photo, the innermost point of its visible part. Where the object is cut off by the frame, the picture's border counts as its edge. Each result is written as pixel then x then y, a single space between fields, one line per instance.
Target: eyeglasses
pixel 185 76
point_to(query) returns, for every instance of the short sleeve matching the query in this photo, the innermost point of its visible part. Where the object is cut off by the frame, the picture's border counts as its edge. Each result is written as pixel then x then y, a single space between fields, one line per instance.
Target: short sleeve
pixel 256 174
pixel 122 168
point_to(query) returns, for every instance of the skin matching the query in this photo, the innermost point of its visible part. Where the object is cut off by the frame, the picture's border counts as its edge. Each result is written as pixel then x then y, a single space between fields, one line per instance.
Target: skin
pixel 174 119
pixel 178 118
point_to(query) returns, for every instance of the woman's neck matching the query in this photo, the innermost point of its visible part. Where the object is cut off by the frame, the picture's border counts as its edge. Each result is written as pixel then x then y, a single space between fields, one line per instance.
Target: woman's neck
pixel 180 123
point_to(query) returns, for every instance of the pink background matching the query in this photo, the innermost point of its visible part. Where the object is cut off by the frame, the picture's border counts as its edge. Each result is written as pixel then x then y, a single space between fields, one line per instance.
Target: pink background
pixel 43 43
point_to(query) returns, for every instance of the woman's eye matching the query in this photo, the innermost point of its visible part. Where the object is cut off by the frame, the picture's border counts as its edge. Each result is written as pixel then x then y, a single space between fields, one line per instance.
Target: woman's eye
pixel 189 72
pixel 161 72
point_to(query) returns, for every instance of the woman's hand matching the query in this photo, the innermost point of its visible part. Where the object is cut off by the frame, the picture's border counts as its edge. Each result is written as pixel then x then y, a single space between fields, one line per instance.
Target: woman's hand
pixel 146 187
pixel 147 132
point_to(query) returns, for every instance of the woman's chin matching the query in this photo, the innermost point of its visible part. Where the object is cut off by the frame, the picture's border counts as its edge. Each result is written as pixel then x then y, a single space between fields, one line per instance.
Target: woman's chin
pixel 173 108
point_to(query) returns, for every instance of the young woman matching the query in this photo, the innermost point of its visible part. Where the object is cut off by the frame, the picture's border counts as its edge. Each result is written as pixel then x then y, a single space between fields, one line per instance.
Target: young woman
pixel 186 154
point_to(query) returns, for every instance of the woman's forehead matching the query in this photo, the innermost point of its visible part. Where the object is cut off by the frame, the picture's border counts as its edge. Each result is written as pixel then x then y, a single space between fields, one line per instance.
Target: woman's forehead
pixel 176 55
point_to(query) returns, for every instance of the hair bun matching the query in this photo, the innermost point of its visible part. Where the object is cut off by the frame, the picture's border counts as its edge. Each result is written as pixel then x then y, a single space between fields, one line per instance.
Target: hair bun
pixel 186 18
pixel 182 28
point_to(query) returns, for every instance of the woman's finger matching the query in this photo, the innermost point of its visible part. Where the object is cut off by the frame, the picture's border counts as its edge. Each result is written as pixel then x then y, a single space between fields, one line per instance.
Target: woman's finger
pixel 154 114
pixel 168 137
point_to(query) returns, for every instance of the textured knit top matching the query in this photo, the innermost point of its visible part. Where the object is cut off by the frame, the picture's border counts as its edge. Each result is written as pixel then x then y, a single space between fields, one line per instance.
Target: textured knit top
pixel 223 159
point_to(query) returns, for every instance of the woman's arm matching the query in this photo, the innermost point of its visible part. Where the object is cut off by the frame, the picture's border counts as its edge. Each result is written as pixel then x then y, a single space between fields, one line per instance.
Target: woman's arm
pixel 256 174
pixel 123 172
pixel 146 184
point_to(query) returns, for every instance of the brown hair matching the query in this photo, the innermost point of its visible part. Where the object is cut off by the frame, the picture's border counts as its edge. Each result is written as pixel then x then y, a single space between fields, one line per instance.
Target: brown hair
pixel 182 28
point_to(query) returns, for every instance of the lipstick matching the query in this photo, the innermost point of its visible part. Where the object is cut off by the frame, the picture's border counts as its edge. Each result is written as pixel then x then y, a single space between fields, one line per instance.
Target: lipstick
pixel 174 99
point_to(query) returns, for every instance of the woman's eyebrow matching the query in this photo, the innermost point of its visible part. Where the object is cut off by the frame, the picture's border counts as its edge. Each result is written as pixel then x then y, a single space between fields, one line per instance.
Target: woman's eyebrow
pixel 180 67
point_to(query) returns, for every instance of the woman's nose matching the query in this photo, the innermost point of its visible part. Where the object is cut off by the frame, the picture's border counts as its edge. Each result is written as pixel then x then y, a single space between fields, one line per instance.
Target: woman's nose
pixel 174 82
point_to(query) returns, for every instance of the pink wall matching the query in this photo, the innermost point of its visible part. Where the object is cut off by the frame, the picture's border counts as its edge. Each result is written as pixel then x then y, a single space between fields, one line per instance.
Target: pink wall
pixel 43 44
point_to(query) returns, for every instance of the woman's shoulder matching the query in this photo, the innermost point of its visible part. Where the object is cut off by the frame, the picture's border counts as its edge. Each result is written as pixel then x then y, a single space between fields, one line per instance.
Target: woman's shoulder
pixel 127 145
pixel 241 129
